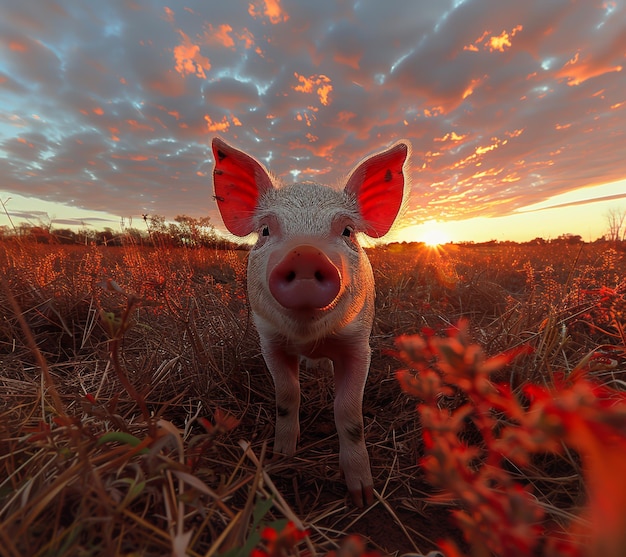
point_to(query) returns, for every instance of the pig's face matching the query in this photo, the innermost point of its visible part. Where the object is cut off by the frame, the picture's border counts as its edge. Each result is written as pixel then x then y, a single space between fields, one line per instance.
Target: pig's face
pixel 307 274
pixel 310 230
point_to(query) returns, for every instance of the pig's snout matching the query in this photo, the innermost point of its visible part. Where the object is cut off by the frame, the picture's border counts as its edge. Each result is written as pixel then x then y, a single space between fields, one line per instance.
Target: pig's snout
pixel 305 279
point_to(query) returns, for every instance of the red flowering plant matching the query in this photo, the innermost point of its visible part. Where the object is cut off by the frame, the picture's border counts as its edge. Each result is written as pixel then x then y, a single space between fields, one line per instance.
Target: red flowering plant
pixel 279 542
pixel 497 513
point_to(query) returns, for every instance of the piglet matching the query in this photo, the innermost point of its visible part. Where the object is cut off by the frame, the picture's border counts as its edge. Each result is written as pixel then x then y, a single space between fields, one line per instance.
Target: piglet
pixel 310 284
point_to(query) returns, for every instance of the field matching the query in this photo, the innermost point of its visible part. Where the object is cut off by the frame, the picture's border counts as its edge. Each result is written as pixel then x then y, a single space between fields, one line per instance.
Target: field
pixel 136 413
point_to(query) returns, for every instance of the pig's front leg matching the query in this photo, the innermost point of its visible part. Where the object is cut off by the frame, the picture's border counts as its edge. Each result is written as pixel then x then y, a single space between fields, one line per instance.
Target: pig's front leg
pixel 284 370
pixel 350 375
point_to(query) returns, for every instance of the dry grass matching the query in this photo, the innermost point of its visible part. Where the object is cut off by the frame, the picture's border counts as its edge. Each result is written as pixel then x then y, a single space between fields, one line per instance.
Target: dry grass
pixel 117 417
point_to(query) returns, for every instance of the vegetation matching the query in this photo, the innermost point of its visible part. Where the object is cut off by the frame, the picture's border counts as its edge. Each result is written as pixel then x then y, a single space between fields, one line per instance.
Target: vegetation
pixel 136 413
pixel 184 231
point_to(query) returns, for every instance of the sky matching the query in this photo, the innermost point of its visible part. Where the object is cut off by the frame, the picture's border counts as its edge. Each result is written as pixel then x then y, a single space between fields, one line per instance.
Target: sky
pixel 107 109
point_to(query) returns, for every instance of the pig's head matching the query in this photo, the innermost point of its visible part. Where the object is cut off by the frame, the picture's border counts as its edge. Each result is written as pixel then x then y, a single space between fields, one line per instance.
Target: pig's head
pixel 307 274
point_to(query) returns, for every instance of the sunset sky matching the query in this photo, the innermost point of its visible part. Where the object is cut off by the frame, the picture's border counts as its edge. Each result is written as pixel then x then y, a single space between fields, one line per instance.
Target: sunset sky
pixel 107 109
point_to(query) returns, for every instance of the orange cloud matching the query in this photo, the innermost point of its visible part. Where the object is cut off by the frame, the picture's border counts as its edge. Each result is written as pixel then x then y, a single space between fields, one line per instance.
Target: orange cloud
pixel 470 88
pixel 434 111
pixel 322 83
pixel 137 126
pixel 349 60
pixel 137 158
pixel 225 35
pixel 222 36
pixel 487 148
pixel 490 172
pixel 247 38
pixel 189 60
pixel 274 12
pixel 306 117
pixel 345 116
pixel 474 158
pixel 452 136
pixel 494 42
pixel 503 40
pixel 510 178
pixel 577 71
pixel 18 47
pixel 223 125
pixel 169 14
pixel 22 140
pixel 217 126
pixel 98 111
pixel 270 9
pixel 514 133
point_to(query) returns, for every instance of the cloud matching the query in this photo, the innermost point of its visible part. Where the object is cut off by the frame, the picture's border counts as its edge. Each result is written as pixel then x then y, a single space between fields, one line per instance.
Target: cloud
pixel 579 202
pixel 232 93
pixel 188 58
pixel 112 105
pixel 271 9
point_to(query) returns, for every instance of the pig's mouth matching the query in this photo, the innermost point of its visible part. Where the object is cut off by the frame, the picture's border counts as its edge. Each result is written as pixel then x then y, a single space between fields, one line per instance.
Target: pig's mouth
pixel 310 296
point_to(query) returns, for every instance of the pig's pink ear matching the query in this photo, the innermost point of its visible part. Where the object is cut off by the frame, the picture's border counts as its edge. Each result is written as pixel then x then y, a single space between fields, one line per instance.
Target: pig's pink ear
pixel 378 185
pixel 238 182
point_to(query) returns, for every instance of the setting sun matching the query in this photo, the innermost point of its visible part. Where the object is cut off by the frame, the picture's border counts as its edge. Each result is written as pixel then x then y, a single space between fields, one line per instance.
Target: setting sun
pixel 435 238
pixel 433 234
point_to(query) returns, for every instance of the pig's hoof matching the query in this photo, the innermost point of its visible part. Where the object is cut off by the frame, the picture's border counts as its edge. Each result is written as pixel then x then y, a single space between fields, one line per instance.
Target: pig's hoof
pixel 284 448
pixel 362 496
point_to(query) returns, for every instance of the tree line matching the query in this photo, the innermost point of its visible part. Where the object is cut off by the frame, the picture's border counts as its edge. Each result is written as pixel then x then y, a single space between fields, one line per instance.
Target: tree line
pixel 183 231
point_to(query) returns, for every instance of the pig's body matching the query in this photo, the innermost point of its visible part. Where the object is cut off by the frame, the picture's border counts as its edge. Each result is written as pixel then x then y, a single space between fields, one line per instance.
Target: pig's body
pixel 310 284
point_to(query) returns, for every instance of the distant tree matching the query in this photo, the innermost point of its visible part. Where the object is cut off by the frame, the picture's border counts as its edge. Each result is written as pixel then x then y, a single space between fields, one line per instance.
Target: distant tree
pixel 204 231
pixel 192 232
pixel 65 236
pixel 570 238
pixel 86 236
pixel 106 237
pixel 156 223
pixel 616 228
pixel 134 237
pixel 41 235
pixel 23 229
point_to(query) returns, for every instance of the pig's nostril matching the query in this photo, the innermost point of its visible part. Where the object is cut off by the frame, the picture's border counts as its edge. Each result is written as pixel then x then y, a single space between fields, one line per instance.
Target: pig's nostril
pixel 319 276
pixel 290 276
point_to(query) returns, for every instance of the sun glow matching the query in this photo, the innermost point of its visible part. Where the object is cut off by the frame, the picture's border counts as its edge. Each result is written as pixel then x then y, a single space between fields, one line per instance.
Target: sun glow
pixel 436 238
pixel 433 235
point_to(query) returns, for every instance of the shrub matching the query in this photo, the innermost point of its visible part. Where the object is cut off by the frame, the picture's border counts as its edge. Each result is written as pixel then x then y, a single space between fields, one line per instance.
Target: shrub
pixel 498 513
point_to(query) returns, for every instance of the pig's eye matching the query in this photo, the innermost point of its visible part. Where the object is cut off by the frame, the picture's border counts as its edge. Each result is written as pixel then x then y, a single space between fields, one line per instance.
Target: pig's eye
pixel 347 231
pixel 265 231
